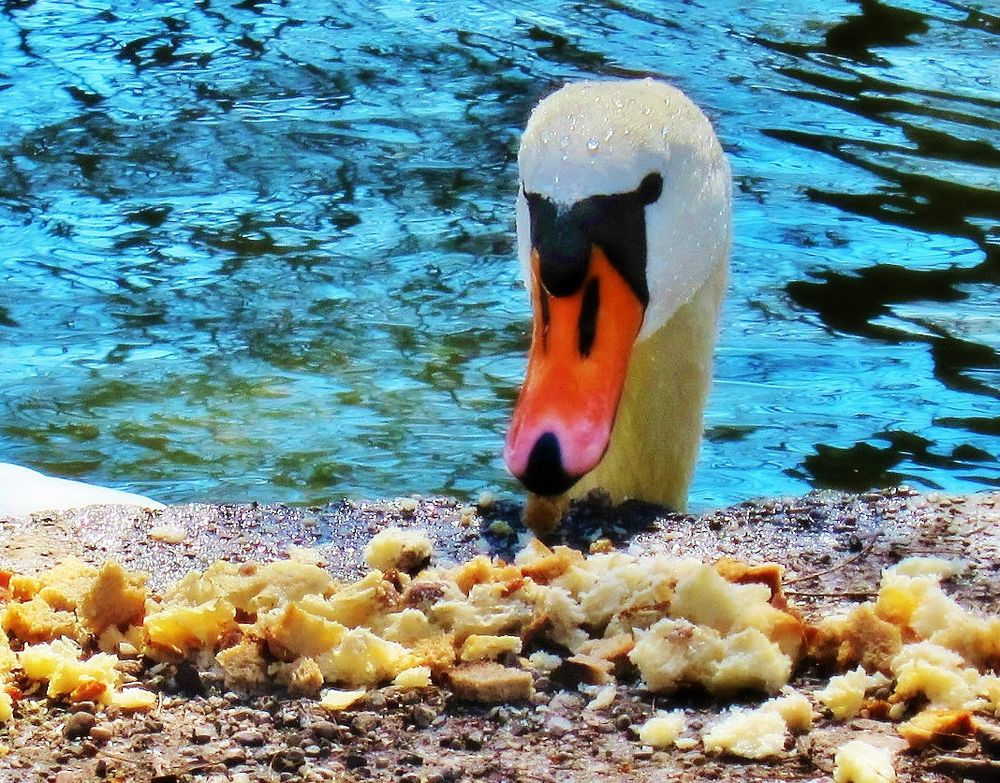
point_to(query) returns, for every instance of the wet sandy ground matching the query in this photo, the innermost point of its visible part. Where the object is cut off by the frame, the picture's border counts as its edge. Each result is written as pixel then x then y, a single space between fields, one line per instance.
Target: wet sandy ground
pixel 832 545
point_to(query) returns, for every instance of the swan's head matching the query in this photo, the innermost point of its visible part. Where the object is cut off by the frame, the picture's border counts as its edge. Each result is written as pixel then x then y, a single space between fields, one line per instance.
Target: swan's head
pixel 622 215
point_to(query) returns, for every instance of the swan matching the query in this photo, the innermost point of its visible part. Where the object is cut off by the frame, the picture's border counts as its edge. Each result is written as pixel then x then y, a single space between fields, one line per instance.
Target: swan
pixel 623 233
pixel 24 491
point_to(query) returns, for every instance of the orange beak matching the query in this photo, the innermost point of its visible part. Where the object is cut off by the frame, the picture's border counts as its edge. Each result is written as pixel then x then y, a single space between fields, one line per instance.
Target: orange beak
pixel 580 349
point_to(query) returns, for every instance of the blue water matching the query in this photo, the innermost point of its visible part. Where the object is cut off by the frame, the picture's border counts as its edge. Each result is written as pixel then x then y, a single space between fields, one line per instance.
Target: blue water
pixel 264 250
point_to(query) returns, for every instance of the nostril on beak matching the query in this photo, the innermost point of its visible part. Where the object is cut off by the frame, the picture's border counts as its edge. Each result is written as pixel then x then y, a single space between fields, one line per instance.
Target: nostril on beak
pixel 545 474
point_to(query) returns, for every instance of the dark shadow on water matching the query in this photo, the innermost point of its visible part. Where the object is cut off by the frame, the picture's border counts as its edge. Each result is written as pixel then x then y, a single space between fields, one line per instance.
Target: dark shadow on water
pixel 878 25
pixel 917 189
pixel 864 465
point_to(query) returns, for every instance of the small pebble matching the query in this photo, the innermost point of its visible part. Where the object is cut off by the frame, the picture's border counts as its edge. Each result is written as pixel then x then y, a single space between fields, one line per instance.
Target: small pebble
pixel 249 737
pixel 423 716
pixel 474 740
pixel 288 760
pixel 364 722
pixel 234 756
pixel 354 760
pixel 79 724
pixel 202 734
pixel 558 726
pixel 325 729
pixel 101 734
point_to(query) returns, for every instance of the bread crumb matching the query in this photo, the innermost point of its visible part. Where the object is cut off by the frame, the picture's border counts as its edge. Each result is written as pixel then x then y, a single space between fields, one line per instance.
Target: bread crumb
pixel 845 694
pixel 542 514
pixel 940 567
pixel 414 677
pixel 134 699
pixel 35 621
pixel 168 534
pixel 674 652
pixel 396 549
pixel 935 672
pixel 663 729
pixel 544 662
pixel 179 629
pixel 62 587
pixel 243 665
pixel 794 708
pixel 861 638
pixel 752 734
pixel 481 647
pixel 305 678
pixel 605 697
pixel 859 762
pixel 61 662
pixel 363 659
pixel 114 599
pixel 336 700
pixel 937 726
pixel 491 683
pixel 294 632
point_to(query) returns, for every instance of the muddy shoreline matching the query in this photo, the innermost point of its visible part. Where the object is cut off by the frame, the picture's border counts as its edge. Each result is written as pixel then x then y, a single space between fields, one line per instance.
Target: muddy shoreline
pixel 832 545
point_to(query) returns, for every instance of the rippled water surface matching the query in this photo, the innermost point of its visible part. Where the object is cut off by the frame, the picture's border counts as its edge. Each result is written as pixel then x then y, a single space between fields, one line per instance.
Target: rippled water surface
pixel 264 250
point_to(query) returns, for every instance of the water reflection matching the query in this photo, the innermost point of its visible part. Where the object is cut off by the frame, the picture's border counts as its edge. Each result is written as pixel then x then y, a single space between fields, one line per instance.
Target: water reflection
pixel 931 179
pixel 264 250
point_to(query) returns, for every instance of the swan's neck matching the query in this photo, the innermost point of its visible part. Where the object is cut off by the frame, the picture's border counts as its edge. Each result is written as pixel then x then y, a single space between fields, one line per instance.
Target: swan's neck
pixel 657 431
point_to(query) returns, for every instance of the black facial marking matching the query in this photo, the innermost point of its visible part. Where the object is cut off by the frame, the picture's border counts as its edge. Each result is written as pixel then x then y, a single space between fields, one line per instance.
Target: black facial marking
pixel 615 223
pixel 587 328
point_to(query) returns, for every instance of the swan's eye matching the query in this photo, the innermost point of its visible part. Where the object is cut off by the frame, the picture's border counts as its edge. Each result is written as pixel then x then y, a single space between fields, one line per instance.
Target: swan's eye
pixel 651 188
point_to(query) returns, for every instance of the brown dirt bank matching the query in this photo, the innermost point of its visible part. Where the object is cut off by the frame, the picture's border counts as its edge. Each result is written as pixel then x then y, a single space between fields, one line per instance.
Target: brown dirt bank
pixel 833 547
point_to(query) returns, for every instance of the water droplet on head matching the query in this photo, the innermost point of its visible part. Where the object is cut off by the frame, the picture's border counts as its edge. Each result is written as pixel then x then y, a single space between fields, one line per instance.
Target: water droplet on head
pixel 564 141
pixel 593 144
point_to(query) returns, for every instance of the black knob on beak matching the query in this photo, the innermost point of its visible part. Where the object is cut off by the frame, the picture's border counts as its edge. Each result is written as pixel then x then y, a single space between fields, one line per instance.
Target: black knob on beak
pixel 545 474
